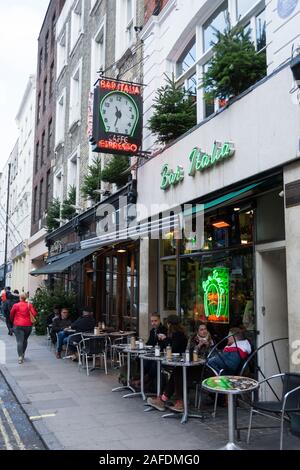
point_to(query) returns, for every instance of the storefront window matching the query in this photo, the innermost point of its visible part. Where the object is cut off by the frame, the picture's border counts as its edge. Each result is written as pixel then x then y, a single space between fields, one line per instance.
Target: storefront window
pixel 169 285
pixel 218 288
pixel 168 245
pixel 224 228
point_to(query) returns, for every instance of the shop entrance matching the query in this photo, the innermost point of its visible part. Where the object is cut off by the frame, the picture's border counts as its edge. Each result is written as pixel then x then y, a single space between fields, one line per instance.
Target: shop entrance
pixel 272 311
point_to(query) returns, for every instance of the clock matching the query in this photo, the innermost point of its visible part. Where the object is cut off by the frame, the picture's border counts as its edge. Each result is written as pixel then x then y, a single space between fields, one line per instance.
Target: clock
pixel 286 7
pixel 119 113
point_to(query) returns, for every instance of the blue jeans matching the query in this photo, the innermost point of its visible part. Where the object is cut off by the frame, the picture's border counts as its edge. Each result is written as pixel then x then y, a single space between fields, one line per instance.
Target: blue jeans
pixel 63 338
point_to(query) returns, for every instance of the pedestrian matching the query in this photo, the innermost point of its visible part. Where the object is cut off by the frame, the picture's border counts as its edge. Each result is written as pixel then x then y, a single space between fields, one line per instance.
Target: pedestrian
pixel 21 317
pixel 11 299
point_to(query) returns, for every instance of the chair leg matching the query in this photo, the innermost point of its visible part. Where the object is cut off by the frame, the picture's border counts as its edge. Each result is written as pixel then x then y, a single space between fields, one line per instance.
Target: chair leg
pixel 105 363
pixel 196 395
pixel 215 406
pixel 281 431
pixel 87 365
pixel 250 425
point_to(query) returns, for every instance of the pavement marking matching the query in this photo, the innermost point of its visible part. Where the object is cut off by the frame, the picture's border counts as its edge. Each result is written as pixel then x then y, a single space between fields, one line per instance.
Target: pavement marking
pixel 12 426
pixel 5 436
pixel 50 415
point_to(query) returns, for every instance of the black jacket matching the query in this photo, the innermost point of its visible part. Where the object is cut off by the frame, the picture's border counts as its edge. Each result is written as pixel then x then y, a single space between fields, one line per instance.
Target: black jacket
pixel 177 341
pixel 152 340
pixel 59 324
pixel 7 305
pixel 83 324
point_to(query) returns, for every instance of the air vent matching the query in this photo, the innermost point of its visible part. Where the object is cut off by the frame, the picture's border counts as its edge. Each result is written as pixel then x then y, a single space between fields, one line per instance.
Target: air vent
pixel 292 194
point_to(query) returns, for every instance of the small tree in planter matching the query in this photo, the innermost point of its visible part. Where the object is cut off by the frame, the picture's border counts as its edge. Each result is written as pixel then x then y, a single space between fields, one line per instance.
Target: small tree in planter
pixel 92 181
pixel 52 214
pixel 174 112
pixel 67 211
pixel 116 171
pixel 44 301
pixel 235 65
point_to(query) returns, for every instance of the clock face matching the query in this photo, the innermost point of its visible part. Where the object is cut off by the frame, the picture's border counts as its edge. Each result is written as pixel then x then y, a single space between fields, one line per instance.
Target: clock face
pixel 286 7
pixel 119 113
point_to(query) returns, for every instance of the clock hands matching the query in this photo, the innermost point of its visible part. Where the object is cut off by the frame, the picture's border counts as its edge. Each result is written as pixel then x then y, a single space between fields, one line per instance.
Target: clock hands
pixel 118 115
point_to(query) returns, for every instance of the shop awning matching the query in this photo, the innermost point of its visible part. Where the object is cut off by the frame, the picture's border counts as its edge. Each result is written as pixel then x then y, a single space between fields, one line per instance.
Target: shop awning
pixel 63 264
pixel 135 232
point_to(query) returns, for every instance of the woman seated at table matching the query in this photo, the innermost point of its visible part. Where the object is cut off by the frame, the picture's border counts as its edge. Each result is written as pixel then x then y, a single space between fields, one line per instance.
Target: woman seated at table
pixel 177 339
pixel 202 341
pixel 60 322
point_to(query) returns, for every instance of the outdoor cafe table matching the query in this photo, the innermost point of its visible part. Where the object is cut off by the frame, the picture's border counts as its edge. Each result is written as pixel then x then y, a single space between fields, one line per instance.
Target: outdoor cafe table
pixel 125 348
pixel 150 356
pixel 178 361
pixel 230 385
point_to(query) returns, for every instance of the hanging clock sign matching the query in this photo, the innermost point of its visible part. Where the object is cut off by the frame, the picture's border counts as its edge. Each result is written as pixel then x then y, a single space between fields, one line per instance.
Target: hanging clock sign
pixel 117 117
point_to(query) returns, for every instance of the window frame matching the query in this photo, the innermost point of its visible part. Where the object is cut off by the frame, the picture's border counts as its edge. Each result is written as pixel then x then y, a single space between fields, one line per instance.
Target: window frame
pixel 76 35
pixel 75 109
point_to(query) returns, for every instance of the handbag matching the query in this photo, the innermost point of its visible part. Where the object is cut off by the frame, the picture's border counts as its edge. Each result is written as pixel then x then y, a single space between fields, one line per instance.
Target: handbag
pixel 32 317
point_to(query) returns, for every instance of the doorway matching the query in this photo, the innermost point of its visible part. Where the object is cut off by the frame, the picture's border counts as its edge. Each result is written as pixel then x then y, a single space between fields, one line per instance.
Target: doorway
pixel 272 309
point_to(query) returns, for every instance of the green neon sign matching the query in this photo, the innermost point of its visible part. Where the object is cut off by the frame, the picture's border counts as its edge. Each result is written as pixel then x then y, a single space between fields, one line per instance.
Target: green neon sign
pixel 216 296
pixel 198 161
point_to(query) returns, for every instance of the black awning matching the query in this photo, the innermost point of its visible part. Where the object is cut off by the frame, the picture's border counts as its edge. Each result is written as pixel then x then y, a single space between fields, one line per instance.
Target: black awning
pixel 62 265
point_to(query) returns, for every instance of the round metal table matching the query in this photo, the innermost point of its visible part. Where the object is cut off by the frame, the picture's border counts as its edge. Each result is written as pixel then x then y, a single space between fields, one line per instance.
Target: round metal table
pixel 230 385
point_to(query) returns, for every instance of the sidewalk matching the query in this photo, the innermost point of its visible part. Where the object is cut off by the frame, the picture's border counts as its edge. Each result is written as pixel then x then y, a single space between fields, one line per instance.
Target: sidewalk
pixel 85 414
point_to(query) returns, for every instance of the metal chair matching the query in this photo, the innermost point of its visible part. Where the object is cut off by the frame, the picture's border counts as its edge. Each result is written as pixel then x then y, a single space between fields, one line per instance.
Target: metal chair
pixel 285 403
pixel 208 369
pixel 73 340
pixel 91 348
pixel 117 358
pixel 49 339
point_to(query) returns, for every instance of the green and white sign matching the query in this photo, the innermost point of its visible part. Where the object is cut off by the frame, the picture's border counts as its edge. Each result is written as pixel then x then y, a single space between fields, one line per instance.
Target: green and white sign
pixel 198 161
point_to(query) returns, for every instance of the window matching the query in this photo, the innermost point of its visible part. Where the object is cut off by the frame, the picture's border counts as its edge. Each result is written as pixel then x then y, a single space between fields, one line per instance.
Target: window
pixel 187 58
pixel 35 204
pixel 39 105
pixel 76 23
pixel 37 150
pixel 41 199
pixel 60 118
pixel 46 47
pixel 209 104
pixel 48 189
pixel 98 53
pixel 58 186
pixel 260 23
pixel 243 6
pixel 50 135
pixel 73 172
pixel 45 94
pixel 43 149
pixel 75 96
pixel 62 51
pixel 217 22
pixel 40 61
pixel 53 31
pixel 125 21
pixel 51 82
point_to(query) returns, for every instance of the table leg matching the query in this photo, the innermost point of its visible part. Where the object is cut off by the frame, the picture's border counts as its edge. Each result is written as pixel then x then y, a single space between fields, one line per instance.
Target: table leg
pixel 158 379
pixel 231 444
pixel 142 379
pixel 124 387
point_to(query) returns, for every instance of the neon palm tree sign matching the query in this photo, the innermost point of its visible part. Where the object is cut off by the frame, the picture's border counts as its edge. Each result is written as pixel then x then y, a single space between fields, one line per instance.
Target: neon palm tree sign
pixel 216 296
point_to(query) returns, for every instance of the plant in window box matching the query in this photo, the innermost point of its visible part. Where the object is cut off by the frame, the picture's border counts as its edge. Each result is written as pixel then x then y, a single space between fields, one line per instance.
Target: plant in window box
pixel 68 211
pixel 92 181
pixel 116 171
pixel 53 213
pixel 174 112
pixel 235 65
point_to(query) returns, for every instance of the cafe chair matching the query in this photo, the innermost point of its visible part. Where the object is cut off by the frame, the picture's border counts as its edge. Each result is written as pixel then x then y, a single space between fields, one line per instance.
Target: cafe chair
pixel 117 357
pixel 92 348
pixel 285 403
pixel 49 339
pixel 73 340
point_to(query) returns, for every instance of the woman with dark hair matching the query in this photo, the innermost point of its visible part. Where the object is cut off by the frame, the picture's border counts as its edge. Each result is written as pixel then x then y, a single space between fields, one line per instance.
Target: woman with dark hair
pixel 177 339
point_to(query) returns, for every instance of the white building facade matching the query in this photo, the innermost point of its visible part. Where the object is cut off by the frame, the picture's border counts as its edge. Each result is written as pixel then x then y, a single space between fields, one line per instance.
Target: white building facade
pixel 251 196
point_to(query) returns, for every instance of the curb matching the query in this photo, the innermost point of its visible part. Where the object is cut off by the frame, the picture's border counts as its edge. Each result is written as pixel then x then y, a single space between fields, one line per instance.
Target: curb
pixel 47 437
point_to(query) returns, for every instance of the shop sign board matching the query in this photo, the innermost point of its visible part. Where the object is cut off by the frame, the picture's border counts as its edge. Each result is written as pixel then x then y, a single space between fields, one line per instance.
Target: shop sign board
pixel 198 161
pixel 117 117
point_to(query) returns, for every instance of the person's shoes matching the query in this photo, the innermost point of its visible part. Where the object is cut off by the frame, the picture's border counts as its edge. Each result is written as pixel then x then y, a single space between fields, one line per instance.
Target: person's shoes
pixel 156 403
pixel 58 355
pixel 178 406
pixel 21 360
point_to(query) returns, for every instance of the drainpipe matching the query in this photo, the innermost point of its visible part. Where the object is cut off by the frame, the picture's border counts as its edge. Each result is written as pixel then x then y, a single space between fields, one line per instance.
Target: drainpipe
pixel 6 224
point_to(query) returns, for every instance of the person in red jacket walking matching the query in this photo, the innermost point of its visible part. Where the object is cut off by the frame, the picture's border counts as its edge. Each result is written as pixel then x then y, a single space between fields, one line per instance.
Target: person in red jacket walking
pixel 22 324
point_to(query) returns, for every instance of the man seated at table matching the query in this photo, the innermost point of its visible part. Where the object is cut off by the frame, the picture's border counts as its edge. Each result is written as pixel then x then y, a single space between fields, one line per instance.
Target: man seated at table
pixel 235 353
pixel 85 323
pixel 60 323
pixel 155 337
pixel 55 314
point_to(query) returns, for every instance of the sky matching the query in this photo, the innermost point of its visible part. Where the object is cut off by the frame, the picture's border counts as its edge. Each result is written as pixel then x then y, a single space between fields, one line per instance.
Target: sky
pixel 20 24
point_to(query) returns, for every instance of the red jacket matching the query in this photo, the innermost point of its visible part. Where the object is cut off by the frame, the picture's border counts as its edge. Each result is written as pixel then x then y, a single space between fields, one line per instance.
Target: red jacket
pixel 19 314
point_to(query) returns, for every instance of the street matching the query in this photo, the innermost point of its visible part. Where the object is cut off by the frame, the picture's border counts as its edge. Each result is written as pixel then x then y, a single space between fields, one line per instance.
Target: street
pixel 16 431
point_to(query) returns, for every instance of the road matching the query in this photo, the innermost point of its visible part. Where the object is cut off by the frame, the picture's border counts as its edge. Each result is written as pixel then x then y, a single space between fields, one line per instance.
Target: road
pixel 16 431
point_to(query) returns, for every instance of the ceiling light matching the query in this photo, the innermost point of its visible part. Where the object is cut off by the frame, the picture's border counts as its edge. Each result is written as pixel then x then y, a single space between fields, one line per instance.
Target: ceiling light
pixel 121 251
pixel 221 224
pixel 244 242
pixel 236 209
